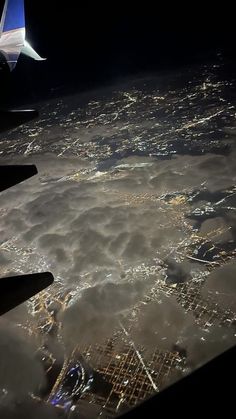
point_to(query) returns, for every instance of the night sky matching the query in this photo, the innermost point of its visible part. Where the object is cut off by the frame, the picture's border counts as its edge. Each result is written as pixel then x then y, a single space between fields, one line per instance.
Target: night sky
pixel 91 45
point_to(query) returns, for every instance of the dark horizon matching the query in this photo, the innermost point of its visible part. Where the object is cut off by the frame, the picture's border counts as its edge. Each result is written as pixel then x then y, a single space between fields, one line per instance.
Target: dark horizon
pixel 89 46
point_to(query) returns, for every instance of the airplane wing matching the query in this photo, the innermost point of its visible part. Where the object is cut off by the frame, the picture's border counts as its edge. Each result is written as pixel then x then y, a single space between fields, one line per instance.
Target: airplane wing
pixel 11 175
pixel 17 289
pixel 12 118
pixel 12 33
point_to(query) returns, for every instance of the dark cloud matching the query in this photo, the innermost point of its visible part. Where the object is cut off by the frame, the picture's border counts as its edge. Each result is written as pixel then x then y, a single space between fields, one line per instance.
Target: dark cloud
pixel 221 285
pixel 96 314
pixel 20 372
pixel 3 259
pixel 160 324
pixel 29 409
pixel 220 226
pixel 203 345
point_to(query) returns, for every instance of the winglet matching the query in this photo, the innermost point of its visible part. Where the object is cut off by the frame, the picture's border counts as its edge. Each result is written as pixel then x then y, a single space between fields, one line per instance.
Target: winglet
pixel 30 52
